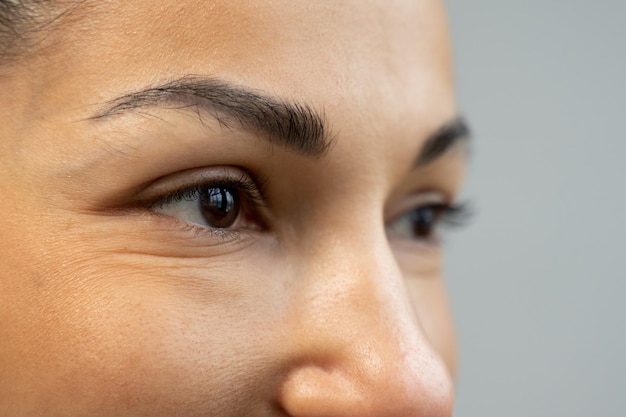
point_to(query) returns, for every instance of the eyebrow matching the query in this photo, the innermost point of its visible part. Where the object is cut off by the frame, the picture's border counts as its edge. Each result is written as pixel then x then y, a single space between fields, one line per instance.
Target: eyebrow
pixel 292 125
pixel 449 135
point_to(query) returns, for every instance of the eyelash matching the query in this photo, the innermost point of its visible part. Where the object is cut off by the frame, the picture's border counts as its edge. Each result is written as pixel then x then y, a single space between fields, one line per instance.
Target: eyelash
pixel 251 192
pixel 187 193
pixel 447 215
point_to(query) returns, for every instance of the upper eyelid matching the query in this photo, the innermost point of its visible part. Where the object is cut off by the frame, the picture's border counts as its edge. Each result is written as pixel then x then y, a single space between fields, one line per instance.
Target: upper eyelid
pixel 247 187
pixel 413 200
pixel 196 178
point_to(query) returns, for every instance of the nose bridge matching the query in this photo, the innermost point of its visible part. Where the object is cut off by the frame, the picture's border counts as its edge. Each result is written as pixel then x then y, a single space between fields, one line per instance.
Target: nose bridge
pixel 361 350
pixel 359 296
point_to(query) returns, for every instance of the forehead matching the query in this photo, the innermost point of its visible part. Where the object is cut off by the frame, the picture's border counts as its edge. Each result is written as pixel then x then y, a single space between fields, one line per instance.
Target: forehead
pixel 343 43
pixel 244 29
pixel 371 65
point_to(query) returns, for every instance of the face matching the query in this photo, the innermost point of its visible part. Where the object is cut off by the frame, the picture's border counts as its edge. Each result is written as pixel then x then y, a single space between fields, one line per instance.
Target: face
pixel 228 208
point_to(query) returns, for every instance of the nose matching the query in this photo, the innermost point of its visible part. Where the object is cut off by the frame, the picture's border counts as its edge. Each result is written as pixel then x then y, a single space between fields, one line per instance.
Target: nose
pixel 357 345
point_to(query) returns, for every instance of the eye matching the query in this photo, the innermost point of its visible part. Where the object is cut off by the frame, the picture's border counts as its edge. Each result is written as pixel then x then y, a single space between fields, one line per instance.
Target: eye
pixel 226 202
pixel 219 206
pixel 421 223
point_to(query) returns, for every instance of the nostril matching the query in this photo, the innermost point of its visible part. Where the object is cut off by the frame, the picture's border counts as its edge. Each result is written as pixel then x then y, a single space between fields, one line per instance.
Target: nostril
pixel 356 388
pixel 313 390
pixel 357 345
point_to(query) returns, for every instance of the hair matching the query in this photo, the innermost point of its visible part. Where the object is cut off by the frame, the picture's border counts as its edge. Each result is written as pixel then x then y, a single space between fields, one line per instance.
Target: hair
pixel 15 16
pixel 20 20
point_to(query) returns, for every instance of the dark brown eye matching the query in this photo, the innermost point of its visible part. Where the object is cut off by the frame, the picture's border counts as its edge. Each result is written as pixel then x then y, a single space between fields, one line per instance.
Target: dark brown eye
pixel 220 206
pixel 423 220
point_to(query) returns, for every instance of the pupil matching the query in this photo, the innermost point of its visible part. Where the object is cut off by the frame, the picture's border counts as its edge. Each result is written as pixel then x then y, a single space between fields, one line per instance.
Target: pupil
pixel 423 220
pixel 220 206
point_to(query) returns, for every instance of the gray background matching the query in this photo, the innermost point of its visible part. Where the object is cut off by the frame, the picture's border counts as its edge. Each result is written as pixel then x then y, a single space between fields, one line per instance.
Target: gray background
pixel 538 280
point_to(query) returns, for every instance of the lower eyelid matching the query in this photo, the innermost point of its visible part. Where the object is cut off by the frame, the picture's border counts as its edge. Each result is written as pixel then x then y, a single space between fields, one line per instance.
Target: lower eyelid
pixel 192 232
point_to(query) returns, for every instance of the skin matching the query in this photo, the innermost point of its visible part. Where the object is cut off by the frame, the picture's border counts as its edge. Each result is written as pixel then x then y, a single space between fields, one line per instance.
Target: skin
pixel 108 308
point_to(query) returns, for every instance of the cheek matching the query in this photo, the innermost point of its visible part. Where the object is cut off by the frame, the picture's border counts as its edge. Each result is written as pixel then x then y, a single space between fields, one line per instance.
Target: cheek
pixel 112 333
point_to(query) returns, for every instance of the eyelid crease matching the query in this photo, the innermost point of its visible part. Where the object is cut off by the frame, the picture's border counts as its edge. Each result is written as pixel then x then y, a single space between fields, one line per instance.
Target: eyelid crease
pixel 242 179
pixel 414 200
pixel 191 191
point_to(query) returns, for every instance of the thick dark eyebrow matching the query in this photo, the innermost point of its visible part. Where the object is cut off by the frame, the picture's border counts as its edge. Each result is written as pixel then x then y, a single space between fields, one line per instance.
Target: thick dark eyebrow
pixel 445 138
pixel 289 124
pixel 292 125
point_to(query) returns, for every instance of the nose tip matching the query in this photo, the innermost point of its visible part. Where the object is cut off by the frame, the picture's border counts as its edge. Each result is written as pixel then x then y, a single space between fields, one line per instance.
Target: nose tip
pixel 369 387
pixel 361 352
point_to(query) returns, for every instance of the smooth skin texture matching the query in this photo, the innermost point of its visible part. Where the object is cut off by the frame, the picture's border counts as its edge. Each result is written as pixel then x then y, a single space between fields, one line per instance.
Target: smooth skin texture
pixel 315 303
